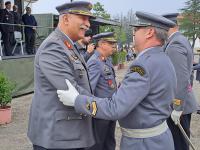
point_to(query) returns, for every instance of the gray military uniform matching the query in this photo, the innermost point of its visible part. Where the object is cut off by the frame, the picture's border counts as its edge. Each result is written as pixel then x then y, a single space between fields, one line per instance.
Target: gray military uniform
pixel 180 52
pixel 142 101
pixel 102 79
pixel 102 76
pixel 53 125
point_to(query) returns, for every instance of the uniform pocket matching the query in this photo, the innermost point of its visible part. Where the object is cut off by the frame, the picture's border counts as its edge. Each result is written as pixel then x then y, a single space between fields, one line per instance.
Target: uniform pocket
pixel 67 126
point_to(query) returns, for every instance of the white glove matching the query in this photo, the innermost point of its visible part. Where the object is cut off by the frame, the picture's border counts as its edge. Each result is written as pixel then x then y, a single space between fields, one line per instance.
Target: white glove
pixel 68 97
pixel 176 116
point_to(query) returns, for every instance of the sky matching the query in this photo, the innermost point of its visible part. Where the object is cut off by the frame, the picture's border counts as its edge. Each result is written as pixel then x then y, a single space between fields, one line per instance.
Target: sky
pixel 115 7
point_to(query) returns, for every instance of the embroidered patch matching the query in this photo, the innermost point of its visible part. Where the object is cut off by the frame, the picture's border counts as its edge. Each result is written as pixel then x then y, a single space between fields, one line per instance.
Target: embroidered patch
pixel 69 46
pixel 94 108
pixel 138 69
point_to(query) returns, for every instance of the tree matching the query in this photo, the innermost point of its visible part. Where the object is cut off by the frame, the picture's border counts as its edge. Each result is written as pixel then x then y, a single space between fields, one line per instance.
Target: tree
pixel 99 11
pixel 120 32
pixel 190 20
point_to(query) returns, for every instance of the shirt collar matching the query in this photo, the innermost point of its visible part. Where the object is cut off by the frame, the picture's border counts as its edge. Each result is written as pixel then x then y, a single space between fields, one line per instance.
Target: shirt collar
pixel 172 34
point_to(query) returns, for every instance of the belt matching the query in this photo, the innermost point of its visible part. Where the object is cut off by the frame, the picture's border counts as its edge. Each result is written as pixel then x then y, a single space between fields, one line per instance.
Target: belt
pixel 145 133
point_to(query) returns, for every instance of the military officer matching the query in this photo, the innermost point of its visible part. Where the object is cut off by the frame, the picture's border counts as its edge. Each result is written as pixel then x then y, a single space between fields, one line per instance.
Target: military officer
pixel 180 52
pixel 84 45
pixel 103 83
pixel 142 102
pixel 53 125
pixel 7 30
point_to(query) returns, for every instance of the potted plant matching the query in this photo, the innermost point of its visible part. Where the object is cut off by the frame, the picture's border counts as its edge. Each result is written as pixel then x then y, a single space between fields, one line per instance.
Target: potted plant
pixel 6 88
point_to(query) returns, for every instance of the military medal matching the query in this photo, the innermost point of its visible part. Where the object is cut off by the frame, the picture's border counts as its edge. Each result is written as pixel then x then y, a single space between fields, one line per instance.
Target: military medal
pixel 111 84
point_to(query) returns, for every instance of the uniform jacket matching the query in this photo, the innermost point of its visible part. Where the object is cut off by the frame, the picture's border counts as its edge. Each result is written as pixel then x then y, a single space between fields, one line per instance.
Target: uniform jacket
pixel 142 101
pixel 51 124
pixel 29 20
pixel 180 52
pixel 6 17
pixel 102 76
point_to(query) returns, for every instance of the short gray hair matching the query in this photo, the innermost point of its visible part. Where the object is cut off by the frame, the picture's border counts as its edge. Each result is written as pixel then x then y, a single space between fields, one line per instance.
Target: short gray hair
pixel 161 35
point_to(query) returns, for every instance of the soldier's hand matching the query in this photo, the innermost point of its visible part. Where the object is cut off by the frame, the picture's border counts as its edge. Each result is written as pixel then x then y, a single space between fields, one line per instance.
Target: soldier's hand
pixel 68 97
pixel 176 116
pixel 90 48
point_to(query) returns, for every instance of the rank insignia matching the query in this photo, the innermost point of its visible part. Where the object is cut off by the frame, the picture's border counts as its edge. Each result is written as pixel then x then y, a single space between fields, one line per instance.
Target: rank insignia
pixel 102 58
pixel 69 46
pixel 138 69
pixel 111 84
pixel 94 108
pixel 88 106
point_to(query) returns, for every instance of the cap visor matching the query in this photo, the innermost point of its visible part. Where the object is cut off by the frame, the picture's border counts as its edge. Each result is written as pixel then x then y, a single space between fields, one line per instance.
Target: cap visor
pixel 85 14
pixel 139 25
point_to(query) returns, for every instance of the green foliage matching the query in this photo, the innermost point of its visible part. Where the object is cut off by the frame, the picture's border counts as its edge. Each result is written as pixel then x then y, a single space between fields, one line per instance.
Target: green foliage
pixel 122 56
pixel 99 11
pixel 119 57
pixel 115 58
pixel 190 20
pixel 6 88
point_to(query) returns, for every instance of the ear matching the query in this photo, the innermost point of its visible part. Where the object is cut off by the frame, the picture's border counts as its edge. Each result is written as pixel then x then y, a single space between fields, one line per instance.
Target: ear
pixel 150 32
pixel 66 18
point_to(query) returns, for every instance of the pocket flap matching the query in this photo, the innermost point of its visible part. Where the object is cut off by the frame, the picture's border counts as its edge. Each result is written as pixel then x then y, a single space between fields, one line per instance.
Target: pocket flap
pixel 67 115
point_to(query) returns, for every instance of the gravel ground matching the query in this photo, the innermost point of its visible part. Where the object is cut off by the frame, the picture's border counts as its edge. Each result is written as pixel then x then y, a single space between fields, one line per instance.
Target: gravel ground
pixel 13 136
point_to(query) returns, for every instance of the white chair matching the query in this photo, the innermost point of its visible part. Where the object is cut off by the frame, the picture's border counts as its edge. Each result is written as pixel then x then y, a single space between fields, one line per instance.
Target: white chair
pixel 18 39
pixel 1 47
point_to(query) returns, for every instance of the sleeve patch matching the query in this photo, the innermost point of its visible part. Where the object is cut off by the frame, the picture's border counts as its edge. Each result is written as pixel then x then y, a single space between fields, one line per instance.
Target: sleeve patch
pixel 138 69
